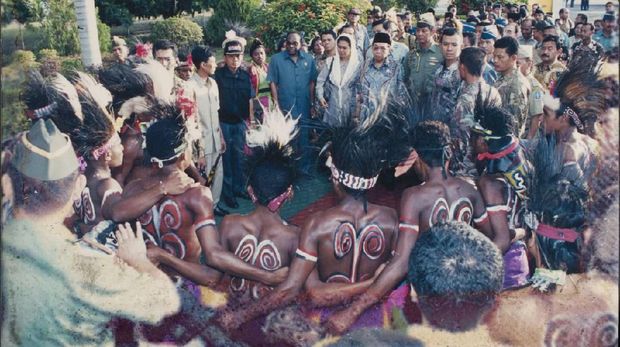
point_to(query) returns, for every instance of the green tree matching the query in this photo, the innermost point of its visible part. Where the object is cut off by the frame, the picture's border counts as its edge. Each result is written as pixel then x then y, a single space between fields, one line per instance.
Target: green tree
pixel 309 16
pixel 228 13
pixel 181 31
pixel 418 6
pixel 22 11
pixel 60 27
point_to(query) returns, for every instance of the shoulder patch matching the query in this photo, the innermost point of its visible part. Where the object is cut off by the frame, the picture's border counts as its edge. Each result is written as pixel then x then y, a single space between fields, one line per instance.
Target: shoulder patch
pixel 537 95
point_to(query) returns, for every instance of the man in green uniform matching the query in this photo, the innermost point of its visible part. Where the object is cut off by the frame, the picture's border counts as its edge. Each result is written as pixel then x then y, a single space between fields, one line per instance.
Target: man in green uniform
pixel 525 62
pixel 512 86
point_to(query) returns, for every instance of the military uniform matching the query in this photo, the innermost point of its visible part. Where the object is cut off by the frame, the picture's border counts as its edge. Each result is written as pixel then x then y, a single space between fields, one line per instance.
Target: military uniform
pixel 514 90
pixel 446 83
pixel 463 120
pixel 535 104
pixel 419 69
pixel 548 75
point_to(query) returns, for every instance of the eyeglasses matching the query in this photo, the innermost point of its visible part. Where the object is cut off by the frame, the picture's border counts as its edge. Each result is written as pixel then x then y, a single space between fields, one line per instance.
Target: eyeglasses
pixel 292 43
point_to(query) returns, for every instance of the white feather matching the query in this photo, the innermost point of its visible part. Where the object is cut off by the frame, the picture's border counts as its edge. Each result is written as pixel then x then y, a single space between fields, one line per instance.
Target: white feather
pixel 100 94
pixel 275 128
pixel 163 80
pixel 136 105
pixel 551 102
pixel 67 90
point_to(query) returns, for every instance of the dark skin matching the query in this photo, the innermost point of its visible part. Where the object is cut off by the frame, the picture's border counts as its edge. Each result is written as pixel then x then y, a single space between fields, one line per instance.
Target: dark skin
pixel 265 226
pixel 493 190
pixel 124 205
pixel 415 209
pixel 197 205
pixel 132 167
pixel 317 237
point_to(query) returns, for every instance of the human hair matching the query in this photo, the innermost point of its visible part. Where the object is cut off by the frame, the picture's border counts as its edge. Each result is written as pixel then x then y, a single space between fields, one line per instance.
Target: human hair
pixel 38 197
pixel 451 6
pixel 510 44
pixel 345 39
pixel 163 45
pixel 201 54
pixel 314 41
pixel 457 272
pixel 587 24
pixel 583 16
pixel 473 60
pixel 256 44
pixel 471 36
pixel 328 32
pixel 448 32
pixel 554 39
pixel 530 20
pixel 431 140
pixel 167 135
pixel 344 27
pixel 288 34
pixel 562 10
pixel 496 119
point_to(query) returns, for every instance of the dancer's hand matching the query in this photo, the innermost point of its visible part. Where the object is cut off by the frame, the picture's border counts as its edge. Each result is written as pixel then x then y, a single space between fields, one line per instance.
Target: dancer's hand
pixel 131 247
pixel 177 183
pixel 278 276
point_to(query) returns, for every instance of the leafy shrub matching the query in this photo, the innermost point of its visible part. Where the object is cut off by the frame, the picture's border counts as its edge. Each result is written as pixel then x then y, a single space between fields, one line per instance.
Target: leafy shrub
pixel 70 64
pixel 47 53
pixel 419 6
pixel 227 12
pixel 24 58
pixel 105 37
pixel 309 16
pixel 60 27
pixel 181 31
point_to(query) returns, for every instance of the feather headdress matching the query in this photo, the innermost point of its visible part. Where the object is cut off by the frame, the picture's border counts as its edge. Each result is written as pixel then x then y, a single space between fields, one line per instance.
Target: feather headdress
pixel 125 84
pixel 54 98
pixel 579 94
pixel 271 166
pixel 91 140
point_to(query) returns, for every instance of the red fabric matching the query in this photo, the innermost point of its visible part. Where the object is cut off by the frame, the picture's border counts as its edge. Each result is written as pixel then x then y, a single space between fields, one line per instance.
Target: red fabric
pixel 500 154
pixel 552 232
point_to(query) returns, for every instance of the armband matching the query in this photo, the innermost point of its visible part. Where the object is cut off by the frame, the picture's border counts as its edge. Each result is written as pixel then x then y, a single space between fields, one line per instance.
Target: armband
pixel 305 256
pixel 204 223
pixel 408 228
pixel 482 218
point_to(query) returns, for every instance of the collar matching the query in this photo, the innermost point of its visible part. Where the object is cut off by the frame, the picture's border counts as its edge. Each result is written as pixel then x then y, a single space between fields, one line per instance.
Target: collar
pixel 433 47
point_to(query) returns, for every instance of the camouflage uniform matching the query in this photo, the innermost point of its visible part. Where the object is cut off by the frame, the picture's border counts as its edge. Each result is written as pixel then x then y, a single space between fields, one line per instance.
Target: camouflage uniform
pixel 535 102
pixel 446 83
pixel 463 120
pixel 515 90
pixel 548 75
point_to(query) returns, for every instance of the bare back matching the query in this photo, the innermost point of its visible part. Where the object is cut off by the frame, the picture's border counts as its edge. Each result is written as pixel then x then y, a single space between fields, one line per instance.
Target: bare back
pixel 352 244
pixel 262 240
pixel 171 222
pixel 451 199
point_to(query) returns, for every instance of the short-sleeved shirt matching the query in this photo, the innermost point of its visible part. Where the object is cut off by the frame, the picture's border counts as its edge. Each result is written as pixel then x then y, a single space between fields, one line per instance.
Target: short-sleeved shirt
pixel 608 42
pixel 593 47
pixel 535 105
pixel 235 93
pixel 58 293
pixel 548 75
pixel 292 79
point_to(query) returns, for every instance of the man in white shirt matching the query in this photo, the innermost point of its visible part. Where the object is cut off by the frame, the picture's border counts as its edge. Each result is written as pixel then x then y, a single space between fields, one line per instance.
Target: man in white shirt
pixel 208 104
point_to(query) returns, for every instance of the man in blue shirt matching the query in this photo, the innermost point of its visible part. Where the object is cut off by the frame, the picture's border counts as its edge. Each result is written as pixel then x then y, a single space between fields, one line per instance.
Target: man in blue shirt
pixel 607 37
pixel 292 76
pixel 235 113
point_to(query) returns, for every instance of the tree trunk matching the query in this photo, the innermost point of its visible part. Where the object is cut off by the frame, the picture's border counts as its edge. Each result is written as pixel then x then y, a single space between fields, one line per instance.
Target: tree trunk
pixel 87 30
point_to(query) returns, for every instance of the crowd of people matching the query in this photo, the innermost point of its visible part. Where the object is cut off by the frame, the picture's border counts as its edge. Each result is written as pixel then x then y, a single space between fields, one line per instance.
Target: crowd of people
pixel 501 129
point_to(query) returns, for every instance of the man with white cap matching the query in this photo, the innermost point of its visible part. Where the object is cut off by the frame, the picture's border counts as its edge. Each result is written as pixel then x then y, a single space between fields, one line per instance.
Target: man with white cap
pixel 525 63
pixel 55 291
